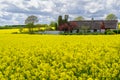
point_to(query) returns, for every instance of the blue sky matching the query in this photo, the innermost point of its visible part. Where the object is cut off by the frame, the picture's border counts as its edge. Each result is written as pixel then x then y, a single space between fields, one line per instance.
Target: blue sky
pixel 16 11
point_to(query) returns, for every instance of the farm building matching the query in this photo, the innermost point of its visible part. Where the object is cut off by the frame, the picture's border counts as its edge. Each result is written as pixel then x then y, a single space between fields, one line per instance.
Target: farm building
pixel 95 25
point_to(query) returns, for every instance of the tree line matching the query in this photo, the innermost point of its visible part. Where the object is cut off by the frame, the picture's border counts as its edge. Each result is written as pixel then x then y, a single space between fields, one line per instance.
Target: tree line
pixel 61 24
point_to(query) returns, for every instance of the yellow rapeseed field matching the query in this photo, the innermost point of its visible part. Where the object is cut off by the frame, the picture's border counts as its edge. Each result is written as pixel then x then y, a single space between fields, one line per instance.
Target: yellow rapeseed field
pixel 59 57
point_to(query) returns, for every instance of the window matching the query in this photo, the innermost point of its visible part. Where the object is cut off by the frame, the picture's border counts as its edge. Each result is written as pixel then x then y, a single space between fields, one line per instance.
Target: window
pixel 95 30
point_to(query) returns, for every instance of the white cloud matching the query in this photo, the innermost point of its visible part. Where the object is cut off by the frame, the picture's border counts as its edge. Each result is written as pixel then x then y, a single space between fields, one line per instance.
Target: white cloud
pixel 16 11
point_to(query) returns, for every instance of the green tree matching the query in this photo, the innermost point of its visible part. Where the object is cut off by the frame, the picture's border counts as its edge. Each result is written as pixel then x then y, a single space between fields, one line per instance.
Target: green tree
pixel 66 18
pixel 79 18
pixel 20 29
pixel 60 20
pixel 53 24
pixel 30 22
pixel 119 25
pixel 111 17
pixel 30 27
pixel 38 26
pixel 31 19
pixel 56 26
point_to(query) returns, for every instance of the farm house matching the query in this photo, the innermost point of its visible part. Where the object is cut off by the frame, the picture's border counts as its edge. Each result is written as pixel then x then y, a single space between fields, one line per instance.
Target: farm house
pixel 95 25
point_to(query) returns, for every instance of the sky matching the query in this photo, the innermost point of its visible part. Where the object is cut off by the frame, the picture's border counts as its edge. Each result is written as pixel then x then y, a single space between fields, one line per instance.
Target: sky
pixel 14 12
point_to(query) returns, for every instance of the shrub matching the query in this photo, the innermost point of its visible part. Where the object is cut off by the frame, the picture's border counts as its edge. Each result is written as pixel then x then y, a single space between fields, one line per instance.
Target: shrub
pixel 14 32
pixel 109 32
pixel 20 30
pixel 116 31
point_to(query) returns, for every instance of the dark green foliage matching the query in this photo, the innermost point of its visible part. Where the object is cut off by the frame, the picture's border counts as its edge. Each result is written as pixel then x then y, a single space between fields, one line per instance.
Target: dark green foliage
pixel 66 18
pixel 80 33
pixel 11 26
pixel 56 26
pixel 116 31
pixel 14 32
pixel 30 22
pixel 20 30
pixel 60 20
pixel 4 27
pixel 53 24
pixel 30 26
pixel 31 19
pixel 38 26
pixel 109 32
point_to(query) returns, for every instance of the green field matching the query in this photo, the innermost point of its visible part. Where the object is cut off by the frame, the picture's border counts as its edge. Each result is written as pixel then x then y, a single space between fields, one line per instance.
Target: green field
pixel 59 57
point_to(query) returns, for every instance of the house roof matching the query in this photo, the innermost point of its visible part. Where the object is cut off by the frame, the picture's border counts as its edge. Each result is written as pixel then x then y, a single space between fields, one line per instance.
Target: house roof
pixel 97 24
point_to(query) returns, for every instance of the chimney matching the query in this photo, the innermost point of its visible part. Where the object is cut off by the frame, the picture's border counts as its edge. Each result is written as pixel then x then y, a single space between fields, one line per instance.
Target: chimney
pixel 92 19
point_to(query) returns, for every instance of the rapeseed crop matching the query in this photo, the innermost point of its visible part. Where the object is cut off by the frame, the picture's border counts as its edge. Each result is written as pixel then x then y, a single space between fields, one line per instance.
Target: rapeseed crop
pixel 54 57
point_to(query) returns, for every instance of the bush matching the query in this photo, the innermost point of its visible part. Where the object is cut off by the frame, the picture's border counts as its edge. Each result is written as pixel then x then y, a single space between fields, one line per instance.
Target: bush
pixel 14 32
pixel 20 30
pixel 109 32
pixel 116 31
pixel 94 33
pixel 80 33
